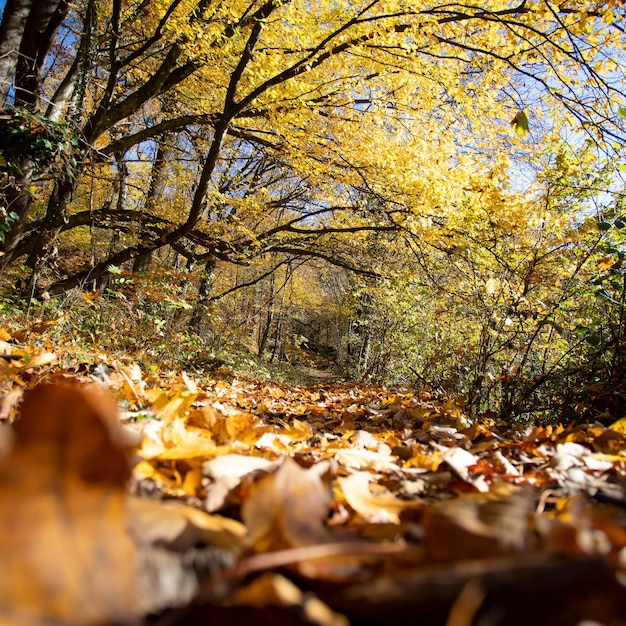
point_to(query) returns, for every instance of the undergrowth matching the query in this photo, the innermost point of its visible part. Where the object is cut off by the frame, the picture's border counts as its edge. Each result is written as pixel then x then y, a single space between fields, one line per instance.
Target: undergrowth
pixel 85 328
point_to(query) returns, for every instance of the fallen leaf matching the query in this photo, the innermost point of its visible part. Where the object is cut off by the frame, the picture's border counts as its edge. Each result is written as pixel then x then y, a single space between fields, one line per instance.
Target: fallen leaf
pixel 377 507
pixel 66 553
pixel 74 548
pixel 288 508
pixel 180 527
pixel 226 473
pixel 460 461
pixel 467 528
pixel 275 590
pixel 365 459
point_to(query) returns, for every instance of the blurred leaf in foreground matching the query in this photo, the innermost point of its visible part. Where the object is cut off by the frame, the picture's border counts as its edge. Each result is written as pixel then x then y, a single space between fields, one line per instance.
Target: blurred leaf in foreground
pixel 75 549
pixel 65 551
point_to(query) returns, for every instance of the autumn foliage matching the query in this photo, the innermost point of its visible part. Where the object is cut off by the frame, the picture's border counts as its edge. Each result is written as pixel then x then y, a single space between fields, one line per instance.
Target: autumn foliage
pixel 312 312
pixel 323 505
pixel 423 194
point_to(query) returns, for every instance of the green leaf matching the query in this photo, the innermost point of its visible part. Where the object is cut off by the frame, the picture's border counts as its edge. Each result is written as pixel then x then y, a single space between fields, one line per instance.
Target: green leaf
pixel 604 226
pixel 520 123
pixel 113 269
pixel 622 113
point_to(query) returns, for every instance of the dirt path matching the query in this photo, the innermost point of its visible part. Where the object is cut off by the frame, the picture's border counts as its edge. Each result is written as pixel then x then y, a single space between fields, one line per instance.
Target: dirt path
pixel 318 376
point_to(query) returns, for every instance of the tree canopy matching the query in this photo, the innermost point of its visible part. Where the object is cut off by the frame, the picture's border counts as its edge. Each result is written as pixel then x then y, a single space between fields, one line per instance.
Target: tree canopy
pixel 454 155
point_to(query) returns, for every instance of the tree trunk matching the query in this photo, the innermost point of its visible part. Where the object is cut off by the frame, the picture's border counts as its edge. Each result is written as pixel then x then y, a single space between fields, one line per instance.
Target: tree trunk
pixel 120 205
pixel 44 19
pixel 11 30
pixel 277 353
pixel 265 327
pixel 156 189
pixel 71 91
pixel 56 217
pixel 32 25
pixel 204 292
pixel 17 200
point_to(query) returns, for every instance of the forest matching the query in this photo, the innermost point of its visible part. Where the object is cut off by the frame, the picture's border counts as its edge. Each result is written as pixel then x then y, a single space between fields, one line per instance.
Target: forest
pixel 306 302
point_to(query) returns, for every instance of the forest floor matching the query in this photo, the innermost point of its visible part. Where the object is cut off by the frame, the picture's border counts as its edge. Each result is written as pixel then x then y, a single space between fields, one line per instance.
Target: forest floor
pixel 170 498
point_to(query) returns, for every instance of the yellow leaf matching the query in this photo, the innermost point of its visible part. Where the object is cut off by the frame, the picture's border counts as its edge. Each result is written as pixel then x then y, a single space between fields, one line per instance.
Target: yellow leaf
pixel 169 408
pixel 619 426
pixel 376 507
pixel 520 123
pixel 90 296
pixel 605 263
pixel 608 17
pixel 43 358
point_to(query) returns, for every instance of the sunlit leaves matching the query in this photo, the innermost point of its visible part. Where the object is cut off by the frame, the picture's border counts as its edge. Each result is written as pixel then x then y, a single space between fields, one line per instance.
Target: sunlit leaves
pixel 363 474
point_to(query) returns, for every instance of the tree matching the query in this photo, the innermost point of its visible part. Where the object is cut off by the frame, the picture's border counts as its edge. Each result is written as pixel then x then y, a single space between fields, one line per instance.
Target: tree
pixel 351 101
pixel 27 32
pixel 514 302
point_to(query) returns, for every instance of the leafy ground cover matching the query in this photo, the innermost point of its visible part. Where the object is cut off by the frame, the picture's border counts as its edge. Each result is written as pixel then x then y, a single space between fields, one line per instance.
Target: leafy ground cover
pixel 132 496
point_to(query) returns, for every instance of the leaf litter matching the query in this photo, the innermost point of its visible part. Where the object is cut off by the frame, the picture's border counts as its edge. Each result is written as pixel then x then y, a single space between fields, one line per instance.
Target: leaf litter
pixel 134 497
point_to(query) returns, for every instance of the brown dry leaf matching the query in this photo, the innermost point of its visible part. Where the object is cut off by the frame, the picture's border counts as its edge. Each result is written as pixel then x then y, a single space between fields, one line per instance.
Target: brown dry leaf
pixel 8 403
pixel 374 507
pixel 288 508
pixel 177 434
pixel 74 549
pixel 6 348
pixel 572 528
pixel 42 358
pixel 25 361
pixel 276 444
pixel 468 527
pixel 268 590
pixel 175 440
pixel 298 431
pixel 362 459
pixel 610 442
pixel 460 461
pixel 181 527
pixel 200 450
pixel 275 590
pixel 133 386
pixel 427 461
pixel 190 383
pixel 227 424
pixel 226 473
